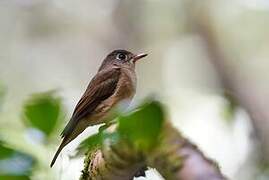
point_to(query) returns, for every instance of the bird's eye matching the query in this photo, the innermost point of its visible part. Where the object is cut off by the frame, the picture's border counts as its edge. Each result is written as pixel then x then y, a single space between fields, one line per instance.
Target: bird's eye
pixel 121 56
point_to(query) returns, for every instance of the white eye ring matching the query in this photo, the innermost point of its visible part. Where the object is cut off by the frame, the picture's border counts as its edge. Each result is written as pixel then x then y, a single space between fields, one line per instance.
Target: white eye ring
pixel 121 57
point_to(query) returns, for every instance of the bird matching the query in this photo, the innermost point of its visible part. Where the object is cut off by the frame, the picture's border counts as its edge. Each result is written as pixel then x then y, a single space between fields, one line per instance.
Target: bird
pixel 114 82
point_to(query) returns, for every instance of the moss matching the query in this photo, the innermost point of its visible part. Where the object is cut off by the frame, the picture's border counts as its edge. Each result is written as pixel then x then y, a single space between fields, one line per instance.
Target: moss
pixel 87 163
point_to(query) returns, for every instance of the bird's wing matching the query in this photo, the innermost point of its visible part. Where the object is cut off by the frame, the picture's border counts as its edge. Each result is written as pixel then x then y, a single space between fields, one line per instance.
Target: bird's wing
pixel 101 87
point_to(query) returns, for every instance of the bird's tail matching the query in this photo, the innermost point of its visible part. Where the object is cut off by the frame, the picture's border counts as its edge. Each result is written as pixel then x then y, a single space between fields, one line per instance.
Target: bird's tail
pixel 79 128
pixel 62 145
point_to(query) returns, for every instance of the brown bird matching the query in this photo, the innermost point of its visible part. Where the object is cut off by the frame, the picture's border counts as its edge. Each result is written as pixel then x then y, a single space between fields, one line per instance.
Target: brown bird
pixel 115 81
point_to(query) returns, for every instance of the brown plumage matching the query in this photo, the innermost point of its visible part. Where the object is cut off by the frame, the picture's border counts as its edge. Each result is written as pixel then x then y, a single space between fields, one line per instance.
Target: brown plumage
pixel 115 81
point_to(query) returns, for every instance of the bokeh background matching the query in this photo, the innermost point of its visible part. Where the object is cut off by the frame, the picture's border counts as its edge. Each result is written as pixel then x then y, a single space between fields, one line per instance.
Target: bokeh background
pixel 208 63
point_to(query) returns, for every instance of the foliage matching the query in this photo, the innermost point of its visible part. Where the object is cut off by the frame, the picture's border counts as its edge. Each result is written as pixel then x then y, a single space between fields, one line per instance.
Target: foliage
pixel 143 126
pixel 43 111
pixel 140 127
pixel 14 164
pixel 96 140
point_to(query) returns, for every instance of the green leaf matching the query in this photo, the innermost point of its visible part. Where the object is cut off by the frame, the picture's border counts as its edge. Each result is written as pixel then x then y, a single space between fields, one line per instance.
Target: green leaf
pixel 5 152
pixel 14 164
pixel 43 111
pixel 96 140
pixel 10 177
pixel 90 143
pixel 143 126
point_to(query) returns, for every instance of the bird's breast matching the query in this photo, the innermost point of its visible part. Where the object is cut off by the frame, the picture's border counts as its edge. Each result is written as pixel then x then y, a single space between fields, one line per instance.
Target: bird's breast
pixel 127 84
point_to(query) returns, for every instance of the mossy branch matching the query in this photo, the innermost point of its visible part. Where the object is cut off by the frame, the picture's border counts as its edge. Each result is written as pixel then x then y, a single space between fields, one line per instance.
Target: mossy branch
pixel 172 155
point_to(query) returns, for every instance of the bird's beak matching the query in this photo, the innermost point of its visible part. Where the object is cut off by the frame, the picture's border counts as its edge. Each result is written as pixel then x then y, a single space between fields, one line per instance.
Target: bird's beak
pixel 139 56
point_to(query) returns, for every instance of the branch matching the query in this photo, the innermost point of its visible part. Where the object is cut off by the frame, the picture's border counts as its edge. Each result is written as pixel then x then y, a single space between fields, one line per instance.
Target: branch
pixel 174 157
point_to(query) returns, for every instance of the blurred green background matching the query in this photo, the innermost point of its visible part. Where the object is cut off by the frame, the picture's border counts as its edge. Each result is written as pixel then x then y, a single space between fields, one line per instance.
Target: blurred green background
pixel 208 63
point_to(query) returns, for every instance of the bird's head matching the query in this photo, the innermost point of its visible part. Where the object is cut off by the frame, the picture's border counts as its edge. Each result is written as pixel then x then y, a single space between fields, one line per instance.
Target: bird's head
pixel 121 58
